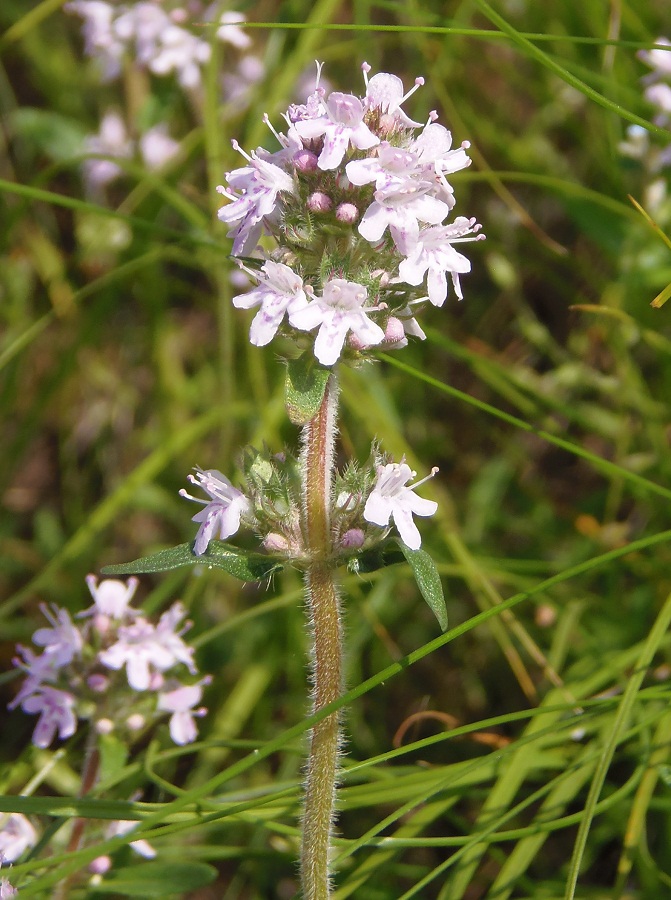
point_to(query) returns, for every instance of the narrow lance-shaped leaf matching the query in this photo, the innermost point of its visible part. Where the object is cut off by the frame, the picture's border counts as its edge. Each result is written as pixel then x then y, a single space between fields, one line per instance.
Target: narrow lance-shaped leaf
pixel 219 555
pixel 305 387
pixel 428 581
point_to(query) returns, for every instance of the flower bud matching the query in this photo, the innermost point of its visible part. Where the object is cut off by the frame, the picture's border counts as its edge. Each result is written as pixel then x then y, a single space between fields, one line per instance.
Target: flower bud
pixel 355 342
pixel 104 726
pixel 319 202
pixel 100 865
pixel 275 543
pixel 98 683
pixel 348 213
pixel 135 722
pixel 352 539
pixel 387 125
pixel 306 161
pixel 394 332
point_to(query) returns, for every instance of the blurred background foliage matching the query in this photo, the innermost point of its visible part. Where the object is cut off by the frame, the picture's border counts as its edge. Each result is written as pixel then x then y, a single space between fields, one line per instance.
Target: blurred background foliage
pixel 123 364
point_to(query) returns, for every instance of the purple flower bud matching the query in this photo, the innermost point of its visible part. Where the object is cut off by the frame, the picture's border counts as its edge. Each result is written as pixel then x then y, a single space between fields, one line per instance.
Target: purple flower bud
pixel 394 332
pixel 347 212
pixel 305 161
pixel 98 683
pixel 100 865
pixel 352 539
pixel 275 543
pixel 104 726
pixel 387 125
pixel 319 202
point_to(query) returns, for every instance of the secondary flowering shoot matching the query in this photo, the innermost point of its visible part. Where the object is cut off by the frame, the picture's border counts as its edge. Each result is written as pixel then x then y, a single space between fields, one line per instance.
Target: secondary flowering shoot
pixel 357 201
pixel 79 674
pixel 393 498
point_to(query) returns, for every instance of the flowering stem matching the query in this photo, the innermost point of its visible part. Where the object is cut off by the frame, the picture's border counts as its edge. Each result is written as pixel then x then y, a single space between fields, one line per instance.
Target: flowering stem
pixel 324 612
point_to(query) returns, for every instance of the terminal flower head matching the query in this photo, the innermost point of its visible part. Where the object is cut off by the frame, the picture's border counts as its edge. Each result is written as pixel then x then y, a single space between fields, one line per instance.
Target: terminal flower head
pixel 222 513
pixel 393 498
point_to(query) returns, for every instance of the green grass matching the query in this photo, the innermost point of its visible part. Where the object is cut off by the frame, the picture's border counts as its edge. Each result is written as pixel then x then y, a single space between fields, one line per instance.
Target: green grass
pixel 543 397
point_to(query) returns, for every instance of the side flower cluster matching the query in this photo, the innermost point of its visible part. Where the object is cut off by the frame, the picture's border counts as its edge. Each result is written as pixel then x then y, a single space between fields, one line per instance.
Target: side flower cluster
pixel 366 501
pixel 358 202
pixel 164 42
pixel 78 674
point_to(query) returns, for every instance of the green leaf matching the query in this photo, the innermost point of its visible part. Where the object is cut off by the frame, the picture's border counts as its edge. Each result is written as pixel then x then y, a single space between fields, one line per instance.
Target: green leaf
pixel 239 563
pixel 305 386
pixel 113 756
pixel 156 879
pixel 428 581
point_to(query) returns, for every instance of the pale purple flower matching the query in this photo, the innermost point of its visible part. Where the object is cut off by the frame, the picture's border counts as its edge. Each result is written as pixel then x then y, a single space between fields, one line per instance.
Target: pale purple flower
pixel 55 708
pixel 112 140
pixel 434 251
pixel 280 291
pixel 171 639
pixel 100 40
pixel 401 207
pixel 111 597
pixel 222 512
pixel 141 846
pixel 660 96
pixel 393 498
pixel 436 158
pixel 16 836
pixel 6 890
pixel 38 669
pixel 658 60
pixel 181 702
pixel 254 192
pixel 385 92
pixel 341 126
pixel 140 27
pixel 339 311
pixel 229 28
pixel 157 147
pixel 180 52
pixel 139 648
pixel 391 165
pixel 63 641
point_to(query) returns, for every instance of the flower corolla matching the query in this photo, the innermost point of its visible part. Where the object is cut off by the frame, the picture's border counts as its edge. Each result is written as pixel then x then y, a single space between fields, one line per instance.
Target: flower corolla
pixel 338 311
pixel 393 498
pixel 280 291
pixel 223 511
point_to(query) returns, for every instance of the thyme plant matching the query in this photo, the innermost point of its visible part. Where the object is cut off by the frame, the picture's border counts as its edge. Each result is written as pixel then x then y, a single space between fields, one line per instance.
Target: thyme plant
pixel 348 231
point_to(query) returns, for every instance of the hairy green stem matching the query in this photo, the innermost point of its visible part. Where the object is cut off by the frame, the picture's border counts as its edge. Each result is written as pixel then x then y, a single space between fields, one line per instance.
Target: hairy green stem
pixel 323 608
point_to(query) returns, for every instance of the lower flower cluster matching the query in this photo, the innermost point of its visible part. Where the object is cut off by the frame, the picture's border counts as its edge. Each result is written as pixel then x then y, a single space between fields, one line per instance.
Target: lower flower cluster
pixel 76 676
pixel 365 502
